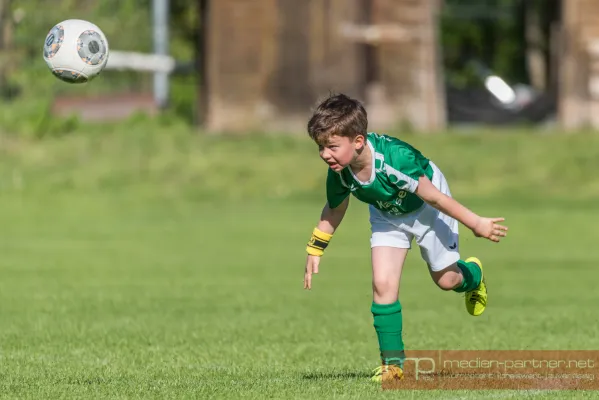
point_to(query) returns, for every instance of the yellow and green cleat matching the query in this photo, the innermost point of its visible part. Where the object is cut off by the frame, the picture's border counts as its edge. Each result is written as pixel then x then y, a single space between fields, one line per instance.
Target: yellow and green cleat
pixel 387 374
pixel 476 300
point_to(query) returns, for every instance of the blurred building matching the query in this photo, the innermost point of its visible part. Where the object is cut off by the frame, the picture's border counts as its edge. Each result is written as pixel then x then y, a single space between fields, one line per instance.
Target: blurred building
pixel 267 62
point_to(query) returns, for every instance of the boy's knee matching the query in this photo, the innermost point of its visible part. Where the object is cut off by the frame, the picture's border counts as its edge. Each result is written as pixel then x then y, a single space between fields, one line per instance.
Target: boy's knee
pixel 384 291
pixel 449 280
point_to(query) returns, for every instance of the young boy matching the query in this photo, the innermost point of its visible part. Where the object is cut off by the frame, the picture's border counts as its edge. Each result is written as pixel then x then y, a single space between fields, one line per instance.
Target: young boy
pixel 408 199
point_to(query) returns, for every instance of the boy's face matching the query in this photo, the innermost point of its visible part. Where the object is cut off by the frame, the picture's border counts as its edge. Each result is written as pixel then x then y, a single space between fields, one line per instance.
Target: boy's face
pixel 340 151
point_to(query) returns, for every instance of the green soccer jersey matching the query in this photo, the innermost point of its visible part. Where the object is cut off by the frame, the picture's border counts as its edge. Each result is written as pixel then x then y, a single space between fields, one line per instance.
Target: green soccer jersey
pixel 394 179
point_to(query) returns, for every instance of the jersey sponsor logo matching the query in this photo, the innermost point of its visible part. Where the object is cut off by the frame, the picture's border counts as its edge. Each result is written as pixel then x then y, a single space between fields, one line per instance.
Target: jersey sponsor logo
pixel 390 206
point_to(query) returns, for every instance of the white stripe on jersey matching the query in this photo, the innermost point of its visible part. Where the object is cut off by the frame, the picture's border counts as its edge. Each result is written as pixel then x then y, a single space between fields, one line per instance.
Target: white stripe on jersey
pixel 410 185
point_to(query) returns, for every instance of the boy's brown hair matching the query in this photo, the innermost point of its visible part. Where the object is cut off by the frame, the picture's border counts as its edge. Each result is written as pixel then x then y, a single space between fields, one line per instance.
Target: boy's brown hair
pixel 338 115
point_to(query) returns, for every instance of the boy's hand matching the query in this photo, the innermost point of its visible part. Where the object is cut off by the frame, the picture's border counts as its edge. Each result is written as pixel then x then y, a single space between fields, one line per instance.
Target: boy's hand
pixel 311 268
pixel 489 229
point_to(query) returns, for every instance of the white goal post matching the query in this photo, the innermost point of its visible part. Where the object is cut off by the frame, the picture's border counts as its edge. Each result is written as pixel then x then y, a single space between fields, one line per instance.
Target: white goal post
pixel 125 60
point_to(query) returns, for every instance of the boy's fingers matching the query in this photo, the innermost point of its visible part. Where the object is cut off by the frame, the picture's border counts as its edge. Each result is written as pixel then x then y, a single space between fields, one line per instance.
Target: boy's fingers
pixel 308 269
pixel 307 281
pixel 500 219
pixel 307 275
pixel 503 228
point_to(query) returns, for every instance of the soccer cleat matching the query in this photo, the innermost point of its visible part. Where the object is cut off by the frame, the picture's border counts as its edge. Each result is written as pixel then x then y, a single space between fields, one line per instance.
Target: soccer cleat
pixel 476 300
pixel 387 373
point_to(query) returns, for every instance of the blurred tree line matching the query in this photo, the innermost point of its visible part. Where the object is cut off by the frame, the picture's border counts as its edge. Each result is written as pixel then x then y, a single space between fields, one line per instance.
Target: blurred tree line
pixel 475 34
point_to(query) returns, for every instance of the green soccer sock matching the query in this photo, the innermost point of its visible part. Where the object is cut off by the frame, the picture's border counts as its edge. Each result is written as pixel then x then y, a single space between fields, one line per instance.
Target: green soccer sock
pixel 472 276
pixel 388 326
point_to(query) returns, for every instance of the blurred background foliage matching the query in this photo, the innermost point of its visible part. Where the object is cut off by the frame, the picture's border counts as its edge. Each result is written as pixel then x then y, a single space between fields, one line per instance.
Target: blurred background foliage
pixel 494 34
pixel 476 35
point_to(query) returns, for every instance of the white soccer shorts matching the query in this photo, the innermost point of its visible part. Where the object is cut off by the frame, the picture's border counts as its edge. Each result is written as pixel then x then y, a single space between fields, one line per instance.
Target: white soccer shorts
pixel 436 233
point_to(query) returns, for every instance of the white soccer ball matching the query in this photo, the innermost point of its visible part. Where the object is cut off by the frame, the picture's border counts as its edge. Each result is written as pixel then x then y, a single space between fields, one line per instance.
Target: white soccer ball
pixel 76 51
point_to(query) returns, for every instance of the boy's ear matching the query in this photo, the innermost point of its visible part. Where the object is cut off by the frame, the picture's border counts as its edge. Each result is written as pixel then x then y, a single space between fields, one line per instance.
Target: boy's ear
pixel 359 141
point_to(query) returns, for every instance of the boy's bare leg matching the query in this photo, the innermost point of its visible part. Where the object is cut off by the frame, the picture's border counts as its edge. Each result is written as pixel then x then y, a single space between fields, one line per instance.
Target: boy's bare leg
pixel 448 278
pixel 387 266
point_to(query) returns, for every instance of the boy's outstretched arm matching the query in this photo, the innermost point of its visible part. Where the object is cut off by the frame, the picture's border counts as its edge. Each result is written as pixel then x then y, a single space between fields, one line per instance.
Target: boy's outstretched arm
pixel 482 227
pixel 330 219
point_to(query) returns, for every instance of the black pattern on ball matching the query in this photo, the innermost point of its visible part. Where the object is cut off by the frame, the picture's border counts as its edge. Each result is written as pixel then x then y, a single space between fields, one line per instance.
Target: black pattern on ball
pixel 69 76
pixel 53 41
pixel 91 47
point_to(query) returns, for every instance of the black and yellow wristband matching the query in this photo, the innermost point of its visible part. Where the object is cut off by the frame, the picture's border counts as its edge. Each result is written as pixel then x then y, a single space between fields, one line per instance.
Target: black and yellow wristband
pixel 318 242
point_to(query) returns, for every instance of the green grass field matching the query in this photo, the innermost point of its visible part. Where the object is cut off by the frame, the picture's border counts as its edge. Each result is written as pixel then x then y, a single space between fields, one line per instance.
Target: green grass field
pixel 129 277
